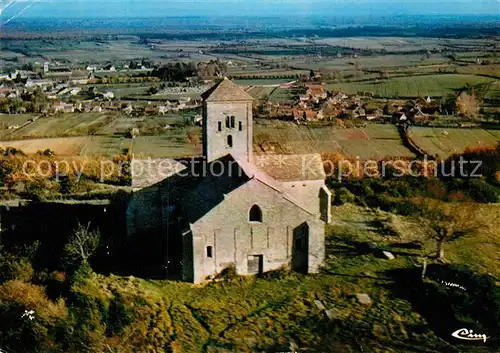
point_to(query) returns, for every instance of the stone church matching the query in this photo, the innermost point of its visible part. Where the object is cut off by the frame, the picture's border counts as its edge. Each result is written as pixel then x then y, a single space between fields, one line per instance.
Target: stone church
pixel 232 207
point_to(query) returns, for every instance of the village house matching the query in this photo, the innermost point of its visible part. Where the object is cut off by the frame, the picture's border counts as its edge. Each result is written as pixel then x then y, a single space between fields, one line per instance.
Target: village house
pixel 298 114
pixel 150 110
pixel 310 115
pixel 63 107
pixel 5 77
pixel 316 93
pixel 79 77
pixel 44 83
pixel 284 113
pixel 399 117
pixel 359 112
pixel 128 109
pixel 13 95
pixel 163 109
pixel 109 67
pixel 232 208
pixel 337 98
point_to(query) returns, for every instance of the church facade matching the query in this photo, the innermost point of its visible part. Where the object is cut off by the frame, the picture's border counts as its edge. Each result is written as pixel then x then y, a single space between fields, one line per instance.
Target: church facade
pixel 231 207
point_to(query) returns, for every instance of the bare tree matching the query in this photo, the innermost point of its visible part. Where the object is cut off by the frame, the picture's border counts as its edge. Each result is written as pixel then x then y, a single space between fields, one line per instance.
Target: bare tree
pixel 82 244
pixel 446 222
pixel 134 132
pixel 193 137
pixel 467 104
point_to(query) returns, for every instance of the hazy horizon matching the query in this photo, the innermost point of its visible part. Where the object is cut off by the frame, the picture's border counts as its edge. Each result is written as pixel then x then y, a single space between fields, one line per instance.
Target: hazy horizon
pixel 74 9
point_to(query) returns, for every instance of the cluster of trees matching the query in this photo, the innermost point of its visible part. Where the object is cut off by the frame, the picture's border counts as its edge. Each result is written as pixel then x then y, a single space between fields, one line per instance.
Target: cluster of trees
pixel 214 68
pixel 28 102
pixel 35 182
pixel 73 309
pixel 177 72
pixel 444 206
pixel 133 65
pixel 126 79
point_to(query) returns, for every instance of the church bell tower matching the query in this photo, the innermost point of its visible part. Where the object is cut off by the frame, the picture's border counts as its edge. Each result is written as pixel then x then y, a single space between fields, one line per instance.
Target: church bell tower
pixel 227 122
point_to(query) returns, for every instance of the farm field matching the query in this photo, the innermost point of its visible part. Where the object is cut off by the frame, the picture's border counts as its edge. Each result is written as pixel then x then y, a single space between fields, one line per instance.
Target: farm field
pixel 493 91
pixel 124 90
pixel 64 146
pixel 74 124
pixel 261 92
pixel 173 144
pixel 261 82
pixel 251 72
pixel 433 85
pixel 7 120
pixel 370 62
pixel 168 96
pixel 399 43
pixel 443 142
pixel 108 146
pixel 282 95
pixel 148 124
pixel 372 142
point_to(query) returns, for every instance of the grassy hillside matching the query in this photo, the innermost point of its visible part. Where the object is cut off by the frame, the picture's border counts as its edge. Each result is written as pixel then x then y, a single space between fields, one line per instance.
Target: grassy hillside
pixel 373 141
pixel 274 313
pixel 444 142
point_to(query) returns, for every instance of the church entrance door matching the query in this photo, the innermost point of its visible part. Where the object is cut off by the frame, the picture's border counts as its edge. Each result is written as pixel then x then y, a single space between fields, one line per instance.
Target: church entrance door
pixel 300 250
pixel 255 264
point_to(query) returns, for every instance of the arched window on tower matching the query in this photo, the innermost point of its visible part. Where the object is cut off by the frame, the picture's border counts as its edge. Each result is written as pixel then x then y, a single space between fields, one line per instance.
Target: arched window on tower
pixel 228 123
pixel 229 140
pixel 233 122
pixel 255 214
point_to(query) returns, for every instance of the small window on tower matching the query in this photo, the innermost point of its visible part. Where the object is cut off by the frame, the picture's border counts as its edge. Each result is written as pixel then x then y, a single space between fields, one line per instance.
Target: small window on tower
pixel 230 141
pixel 233 124
pixel 219 126
pixel 240 125
pixel 227 122
pixel 209 251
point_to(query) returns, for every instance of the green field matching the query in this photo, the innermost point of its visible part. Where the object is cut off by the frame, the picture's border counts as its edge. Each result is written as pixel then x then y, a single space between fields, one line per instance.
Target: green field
pixel 492 91
pixel 283 95
pixel 108 146
pixel 7 120
pixel 373 142
pixel 126 89
pixel 74 124
pixel 261 92
pixel 269 312
pixel 444 142
pixel 171 144
pixel 414 86
pixel 148 124
pixel 261 82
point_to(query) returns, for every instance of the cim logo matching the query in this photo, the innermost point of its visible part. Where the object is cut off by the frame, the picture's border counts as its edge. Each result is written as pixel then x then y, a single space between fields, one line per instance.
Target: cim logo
pixel 469 335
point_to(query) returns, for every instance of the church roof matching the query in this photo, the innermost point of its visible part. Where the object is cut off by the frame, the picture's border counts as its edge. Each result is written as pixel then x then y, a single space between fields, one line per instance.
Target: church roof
pixel 226 91
pixel 293 167
pixel 199 194
pixel 147 172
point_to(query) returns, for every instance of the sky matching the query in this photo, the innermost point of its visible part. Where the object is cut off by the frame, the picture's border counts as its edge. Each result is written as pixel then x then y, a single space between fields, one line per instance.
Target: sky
pixel 173 8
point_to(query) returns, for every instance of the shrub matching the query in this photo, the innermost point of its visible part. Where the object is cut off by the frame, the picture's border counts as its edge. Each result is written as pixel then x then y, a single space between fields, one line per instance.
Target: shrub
pixel 343 196
pixel 228 273
pixel 481 299
pixel 36 332
pixel 481 191
pixel 12 268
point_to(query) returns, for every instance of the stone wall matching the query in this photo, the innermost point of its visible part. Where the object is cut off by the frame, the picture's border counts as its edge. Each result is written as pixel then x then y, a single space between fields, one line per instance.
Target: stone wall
pixel 233 238
pixel 215 143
